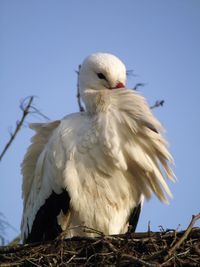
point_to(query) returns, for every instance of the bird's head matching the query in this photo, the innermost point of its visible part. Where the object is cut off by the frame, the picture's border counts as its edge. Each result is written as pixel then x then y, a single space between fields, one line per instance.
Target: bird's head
pixel 102 71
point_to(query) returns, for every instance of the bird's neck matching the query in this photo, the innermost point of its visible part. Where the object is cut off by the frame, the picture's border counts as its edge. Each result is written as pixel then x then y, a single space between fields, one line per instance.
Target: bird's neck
pixel 96 101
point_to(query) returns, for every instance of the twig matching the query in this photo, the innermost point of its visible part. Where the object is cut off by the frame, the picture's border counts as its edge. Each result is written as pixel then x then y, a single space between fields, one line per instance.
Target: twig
pixel 32 263
pixel 129 257
pixel 183 238
pixel 71 259
pixel 138 260
pixel 35 110
pixel 110 246
pixel 138 85
pixel 84 228
pixel 9 264
pixel 16 248
pixel 158 103
pixel 92 231
pixel 81 108
pixel 130 73
pixel 25 109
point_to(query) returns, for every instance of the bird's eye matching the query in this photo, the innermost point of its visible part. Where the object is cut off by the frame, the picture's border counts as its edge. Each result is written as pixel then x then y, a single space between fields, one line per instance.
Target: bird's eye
pixel 101 76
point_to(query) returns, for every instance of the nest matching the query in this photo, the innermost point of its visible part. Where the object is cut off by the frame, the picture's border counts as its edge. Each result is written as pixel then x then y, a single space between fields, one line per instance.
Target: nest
pixel 164 248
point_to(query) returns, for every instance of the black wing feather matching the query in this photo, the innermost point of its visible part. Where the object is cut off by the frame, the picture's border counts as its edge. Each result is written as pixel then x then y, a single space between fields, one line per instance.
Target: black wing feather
pixel 45 226
pixel 134 217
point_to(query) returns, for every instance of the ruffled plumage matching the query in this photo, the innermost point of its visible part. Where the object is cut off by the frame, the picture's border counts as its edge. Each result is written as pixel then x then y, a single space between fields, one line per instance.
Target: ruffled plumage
pixel 98 164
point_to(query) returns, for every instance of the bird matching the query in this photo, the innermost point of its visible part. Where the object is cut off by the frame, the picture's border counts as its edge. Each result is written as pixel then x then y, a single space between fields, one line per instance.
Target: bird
pixel 93 169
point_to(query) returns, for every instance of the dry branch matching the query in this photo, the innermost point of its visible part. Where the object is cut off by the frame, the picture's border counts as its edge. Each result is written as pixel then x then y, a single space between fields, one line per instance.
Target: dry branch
pixel 81 108
pixel 158 103
pixel 138 85
pixel 25 111
pixel 26 108
pixel 184 237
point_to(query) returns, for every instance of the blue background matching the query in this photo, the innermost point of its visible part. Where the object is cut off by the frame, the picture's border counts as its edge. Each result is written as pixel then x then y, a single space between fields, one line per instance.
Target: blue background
pixel 42 42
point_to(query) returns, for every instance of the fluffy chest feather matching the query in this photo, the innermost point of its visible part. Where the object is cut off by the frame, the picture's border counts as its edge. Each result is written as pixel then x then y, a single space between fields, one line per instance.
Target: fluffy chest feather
pixel 102 203
pixel 101 189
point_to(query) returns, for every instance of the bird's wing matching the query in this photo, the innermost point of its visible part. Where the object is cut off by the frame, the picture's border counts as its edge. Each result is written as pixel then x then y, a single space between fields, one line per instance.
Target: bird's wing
pixel 134 217
pixel 132 140
pixel 39 140
pixel 57 160
pixel 142 144
pixel 43 199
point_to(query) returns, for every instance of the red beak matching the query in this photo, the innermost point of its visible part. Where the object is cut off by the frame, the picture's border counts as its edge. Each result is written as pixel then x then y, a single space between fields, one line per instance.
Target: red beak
pixel 119 85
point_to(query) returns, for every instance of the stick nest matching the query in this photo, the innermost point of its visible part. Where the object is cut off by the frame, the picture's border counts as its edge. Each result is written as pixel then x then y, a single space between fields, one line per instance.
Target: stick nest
pixel 165 248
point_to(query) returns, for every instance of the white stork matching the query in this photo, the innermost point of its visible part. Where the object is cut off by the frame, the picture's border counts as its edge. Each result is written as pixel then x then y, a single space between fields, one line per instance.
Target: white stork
pixel 94 168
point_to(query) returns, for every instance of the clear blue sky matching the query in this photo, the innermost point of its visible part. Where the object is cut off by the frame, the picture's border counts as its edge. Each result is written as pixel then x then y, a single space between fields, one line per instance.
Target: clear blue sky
pixel 43 42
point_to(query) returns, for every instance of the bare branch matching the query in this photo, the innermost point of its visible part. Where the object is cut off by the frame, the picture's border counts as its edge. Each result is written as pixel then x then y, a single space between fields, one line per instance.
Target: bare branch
pixel 37 111
pixel 134 260
pixel 25 107
pixel 81 108
pixel 130 73
pixel 183 237
pixel 4 225
pixel 138 85
pixel 158 103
